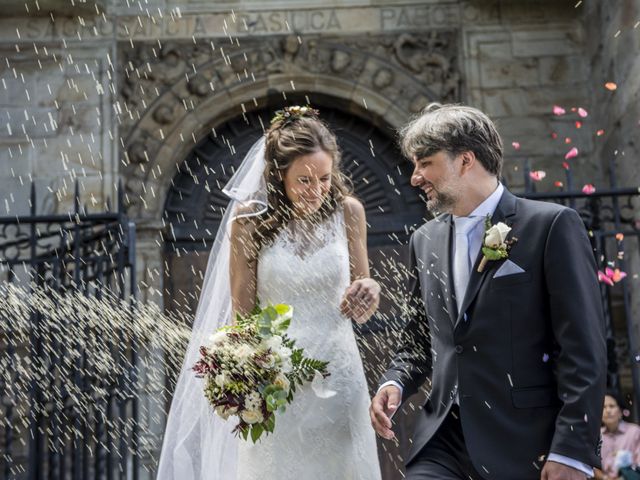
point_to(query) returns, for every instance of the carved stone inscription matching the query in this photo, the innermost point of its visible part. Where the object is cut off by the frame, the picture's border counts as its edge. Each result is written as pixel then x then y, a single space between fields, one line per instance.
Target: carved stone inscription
pixel 248 23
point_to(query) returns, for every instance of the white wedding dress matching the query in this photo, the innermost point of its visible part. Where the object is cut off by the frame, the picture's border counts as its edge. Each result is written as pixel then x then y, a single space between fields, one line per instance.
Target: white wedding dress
pixel 307 266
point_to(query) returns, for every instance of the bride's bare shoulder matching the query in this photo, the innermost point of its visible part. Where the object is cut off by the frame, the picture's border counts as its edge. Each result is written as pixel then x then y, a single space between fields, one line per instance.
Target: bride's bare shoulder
pixel 243 238
pixel 353 210
pixel 243 226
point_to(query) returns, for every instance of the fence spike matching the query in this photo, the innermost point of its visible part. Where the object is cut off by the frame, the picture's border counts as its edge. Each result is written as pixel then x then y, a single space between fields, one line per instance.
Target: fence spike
pixel 33 198
pixel 76 197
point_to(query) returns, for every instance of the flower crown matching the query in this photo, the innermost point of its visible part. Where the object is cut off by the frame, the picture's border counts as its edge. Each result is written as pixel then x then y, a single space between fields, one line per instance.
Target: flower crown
pixel 289 114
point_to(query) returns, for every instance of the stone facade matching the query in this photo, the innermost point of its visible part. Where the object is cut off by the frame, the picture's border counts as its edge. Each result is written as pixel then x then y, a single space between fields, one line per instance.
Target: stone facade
pixel 388 74
pixel 75 102
pixel 119 93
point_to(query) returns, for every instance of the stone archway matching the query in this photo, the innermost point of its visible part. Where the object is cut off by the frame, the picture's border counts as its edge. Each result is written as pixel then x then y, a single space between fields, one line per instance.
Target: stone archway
pixel 171 96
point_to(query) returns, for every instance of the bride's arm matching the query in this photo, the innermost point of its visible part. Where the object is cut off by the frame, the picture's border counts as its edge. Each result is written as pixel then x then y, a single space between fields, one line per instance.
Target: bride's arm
pixel 242 267
pixel 363 295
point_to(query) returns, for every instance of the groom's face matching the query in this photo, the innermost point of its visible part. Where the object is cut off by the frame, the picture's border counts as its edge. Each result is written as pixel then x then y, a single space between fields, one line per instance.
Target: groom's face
pixel 436 176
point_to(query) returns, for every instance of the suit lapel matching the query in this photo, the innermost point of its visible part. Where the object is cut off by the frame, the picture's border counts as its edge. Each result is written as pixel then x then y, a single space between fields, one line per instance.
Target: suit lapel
pixel 504 212
pixel 442 250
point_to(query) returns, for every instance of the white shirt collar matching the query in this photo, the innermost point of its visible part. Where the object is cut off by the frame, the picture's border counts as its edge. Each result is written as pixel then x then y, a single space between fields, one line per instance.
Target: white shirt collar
pixel 489 205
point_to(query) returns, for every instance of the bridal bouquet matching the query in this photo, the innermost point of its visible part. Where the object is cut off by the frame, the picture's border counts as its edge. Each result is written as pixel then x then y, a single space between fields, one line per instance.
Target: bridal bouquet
pixel 251 370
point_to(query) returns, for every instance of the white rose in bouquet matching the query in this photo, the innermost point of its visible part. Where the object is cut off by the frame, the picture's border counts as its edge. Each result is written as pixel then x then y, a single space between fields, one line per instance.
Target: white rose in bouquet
pixel 283 382
pixel 225 412
pixel 284 353
pixel 286 366
pixel 285 357
pixel 220 379
pixel 252 416
pixel 274 342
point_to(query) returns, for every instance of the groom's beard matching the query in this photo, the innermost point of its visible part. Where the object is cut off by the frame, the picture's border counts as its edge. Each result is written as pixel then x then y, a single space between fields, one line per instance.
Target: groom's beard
pixel 441 202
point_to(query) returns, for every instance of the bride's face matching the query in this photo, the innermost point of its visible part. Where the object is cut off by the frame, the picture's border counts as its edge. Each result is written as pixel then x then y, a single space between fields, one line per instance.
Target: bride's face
pixel 307 181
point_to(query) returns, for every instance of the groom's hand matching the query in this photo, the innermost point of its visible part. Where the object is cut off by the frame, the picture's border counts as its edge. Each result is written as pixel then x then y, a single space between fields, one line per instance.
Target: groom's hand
pixel 383 406
pixel 559 471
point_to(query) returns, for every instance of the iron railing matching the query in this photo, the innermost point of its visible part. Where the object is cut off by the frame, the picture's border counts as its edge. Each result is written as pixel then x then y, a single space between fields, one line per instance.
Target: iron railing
pixel 43 435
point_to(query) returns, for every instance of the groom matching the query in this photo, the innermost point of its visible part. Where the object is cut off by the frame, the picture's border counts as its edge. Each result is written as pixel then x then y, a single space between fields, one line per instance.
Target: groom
pixel 514 349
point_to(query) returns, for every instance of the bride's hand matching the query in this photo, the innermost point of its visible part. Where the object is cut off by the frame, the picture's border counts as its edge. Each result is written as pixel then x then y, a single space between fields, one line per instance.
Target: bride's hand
pixel 361 300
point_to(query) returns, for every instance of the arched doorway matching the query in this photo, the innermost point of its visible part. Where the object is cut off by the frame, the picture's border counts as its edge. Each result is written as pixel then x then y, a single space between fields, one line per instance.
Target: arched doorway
pixel 195 205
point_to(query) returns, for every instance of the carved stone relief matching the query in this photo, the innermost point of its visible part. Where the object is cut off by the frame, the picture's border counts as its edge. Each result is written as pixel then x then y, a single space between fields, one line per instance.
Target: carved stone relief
pixel 162 86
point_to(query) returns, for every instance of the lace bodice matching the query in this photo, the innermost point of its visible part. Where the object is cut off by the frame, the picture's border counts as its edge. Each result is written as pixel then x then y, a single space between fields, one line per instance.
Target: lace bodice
pixel 307 266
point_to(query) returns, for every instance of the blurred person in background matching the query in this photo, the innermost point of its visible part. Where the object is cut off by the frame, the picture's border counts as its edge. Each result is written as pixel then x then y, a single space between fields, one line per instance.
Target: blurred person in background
pixel 620 442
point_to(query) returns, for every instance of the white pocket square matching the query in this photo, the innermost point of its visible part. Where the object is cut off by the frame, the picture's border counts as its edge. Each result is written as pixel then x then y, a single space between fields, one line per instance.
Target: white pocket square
pixel 508 268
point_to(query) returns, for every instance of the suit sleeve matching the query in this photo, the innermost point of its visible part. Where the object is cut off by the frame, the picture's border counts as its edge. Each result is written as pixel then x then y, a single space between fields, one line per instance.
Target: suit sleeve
pixel 577 321
pixel 411 364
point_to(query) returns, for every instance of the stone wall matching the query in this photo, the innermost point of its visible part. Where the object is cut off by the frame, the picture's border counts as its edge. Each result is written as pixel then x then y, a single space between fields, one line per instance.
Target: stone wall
pixel 519 63
pixel 56 126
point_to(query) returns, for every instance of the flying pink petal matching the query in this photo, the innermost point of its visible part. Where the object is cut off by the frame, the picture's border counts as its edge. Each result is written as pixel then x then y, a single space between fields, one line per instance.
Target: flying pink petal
pixel 559 184
pixel 516 145
pixel 588 189
pixel 582 112
pixel 619 236
pixel 571 153
pixel 557 110
pixel 618 275
pixel 604 279
pixel 537 175
pixel 610 86
pixel 567 140
pixel 608 271
pixel 565 165
pixel 600 133
pixel 578 124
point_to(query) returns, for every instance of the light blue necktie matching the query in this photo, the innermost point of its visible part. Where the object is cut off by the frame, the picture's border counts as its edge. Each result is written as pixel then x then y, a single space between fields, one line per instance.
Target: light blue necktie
pixel 461 261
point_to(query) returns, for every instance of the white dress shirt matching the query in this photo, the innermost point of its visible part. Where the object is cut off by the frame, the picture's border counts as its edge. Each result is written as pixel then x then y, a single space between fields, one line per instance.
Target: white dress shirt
pixel 475 237
pixel 476 234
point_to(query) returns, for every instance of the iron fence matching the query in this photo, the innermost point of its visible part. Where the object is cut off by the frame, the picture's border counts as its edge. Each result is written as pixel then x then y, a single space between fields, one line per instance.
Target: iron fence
pixel 44 434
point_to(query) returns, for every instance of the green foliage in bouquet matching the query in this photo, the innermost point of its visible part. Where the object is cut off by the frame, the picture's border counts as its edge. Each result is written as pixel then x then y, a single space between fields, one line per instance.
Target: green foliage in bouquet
pixel 252 369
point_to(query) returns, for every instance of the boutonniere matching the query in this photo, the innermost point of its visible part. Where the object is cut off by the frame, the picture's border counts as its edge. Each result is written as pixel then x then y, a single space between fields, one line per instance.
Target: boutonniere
pixel 495 245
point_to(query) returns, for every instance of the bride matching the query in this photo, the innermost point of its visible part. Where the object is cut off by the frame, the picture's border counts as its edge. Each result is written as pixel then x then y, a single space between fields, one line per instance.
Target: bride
pixel 292 234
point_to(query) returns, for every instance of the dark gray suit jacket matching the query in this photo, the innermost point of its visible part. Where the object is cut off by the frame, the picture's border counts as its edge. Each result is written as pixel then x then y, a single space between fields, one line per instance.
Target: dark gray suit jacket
pixel 527 350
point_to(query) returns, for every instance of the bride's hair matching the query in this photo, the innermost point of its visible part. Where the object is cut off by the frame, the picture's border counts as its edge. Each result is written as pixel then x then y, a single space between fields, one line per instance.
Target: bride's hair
pixel 287 139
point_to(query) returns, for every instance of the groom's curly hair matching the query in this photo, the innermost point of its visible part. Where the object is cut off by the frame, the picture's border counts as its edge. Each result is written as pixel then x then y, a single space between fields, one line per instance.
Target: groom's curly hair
pixel 453 128
pixel 286 140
